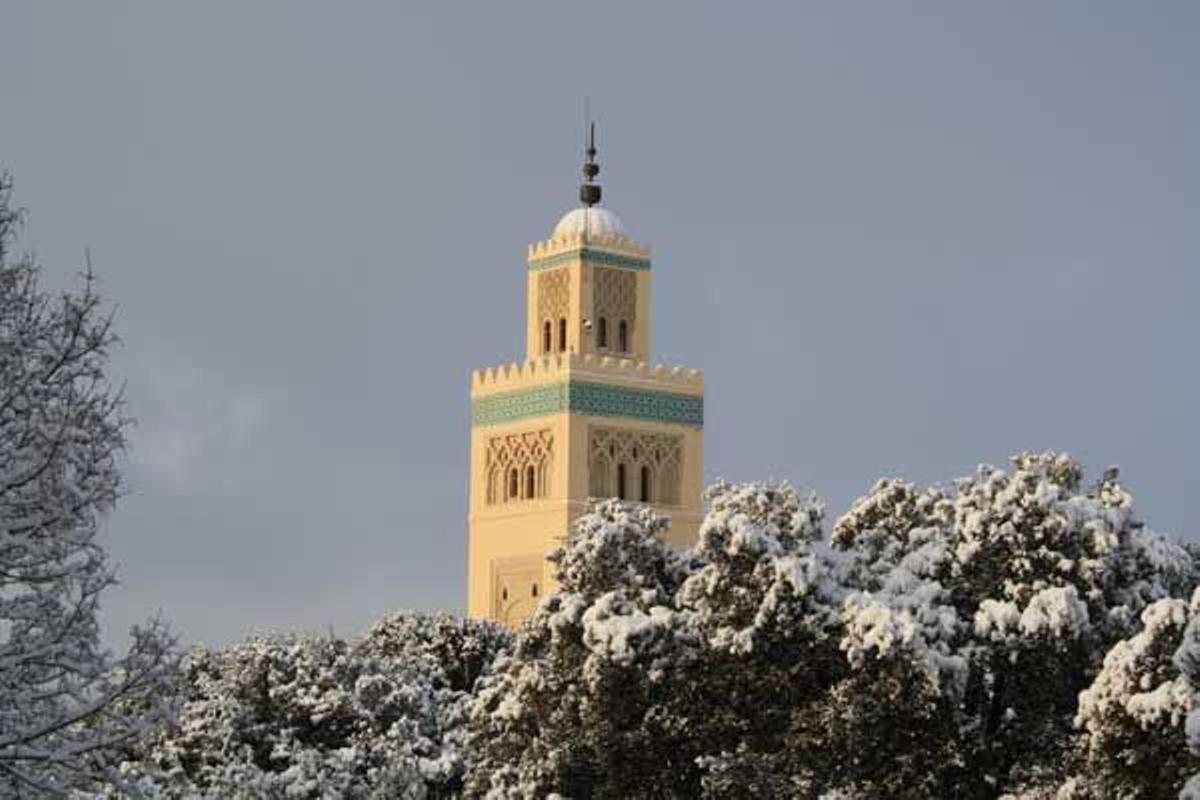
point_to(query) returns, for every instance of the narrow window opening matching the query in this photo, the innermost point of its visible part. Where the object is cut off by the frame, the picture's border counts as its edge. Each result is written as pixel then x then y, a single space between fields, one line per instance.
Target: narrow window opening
pixel 562 335
pixel 645 484
pixel 514 484
pixel 602 334
pixel 530 482
pixel 623 337
pixel 547 337
pixel 533 592
pixel 621 481
pixel 493 488
pixel 504 594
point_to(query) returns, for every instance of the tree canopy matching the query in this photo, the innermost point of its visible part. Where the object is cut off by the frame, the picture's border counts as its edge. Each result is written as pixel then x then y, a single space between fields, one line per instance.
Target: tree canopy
pixel 1020 633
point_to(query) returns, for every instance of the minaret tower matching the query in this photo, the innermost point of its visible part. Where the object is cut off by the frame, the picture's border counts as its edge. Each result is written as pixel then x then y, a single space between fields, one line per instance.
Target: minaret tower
pixel 585 415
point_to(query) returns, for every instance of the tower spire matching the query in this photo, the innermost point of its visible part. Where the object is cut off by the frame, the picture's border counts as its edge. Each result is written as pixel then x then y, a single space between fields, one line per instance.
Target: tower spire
pixel 589 192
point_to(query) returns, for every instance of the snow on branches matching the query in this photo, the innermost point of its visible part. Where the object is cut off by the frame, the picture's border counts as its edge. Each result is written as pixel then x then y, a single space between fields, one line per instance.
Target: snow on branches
pixel 1133 713
pixel 935 645
pixel 759 572
pixel 1031 576
pixel 1014 536
pixel 66 705
pixel 316 717
pixel 1019 634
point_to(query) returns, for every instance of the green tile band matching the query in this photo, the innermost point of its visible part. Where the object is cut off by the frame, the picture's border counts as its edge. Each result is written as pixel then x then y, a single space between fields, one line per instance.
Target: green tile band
pixel 592 399
pixel 538 401
pixel 594 256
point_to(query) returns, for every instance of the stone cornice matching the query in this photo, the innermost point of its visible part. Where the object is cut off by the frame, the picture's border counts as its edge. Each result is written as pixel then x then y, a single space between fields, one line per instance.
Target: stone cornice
pixel 590 255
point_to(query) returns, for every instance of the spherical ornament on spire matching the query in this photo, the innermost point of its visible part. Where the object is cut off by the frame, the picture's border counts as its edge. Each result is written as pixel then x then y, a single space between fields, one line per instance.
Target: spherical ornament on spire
pixel 591 220
pixel 589 192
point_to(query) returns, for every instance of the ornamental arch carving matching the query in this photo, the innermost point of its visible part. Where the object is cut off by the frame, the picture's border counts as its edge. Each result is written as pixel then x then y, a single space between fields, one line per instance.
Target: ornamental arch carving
pixel 553 299
pixel 651 464
pixel 518 467
pixel 615 300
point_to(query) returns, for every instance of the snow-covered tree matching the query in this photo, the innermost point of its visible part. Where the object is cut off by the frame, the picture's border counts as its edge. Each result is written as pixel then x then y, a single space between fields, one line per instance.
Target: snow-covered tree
pixel 826 687
pixel 1025 580
pixel 583 706
pixel 653 673
pixel 760 578
pixel 935 647
pixel 315 717
pixel 1133 715
pixel 66 704
pixel 462 650
pixel 765 594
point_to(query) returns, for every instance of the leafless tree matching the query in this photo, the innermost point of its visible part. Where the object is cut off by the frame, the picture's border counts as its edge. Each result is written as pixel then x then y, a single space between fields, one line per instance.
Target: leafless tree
pixel 67 705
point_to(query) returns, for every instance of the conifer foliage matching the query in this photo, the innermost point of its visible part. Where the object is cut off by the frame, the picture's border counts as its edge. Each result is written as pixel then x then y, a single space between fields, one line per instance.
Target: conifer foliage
pixel 1021 634
pixel 320 717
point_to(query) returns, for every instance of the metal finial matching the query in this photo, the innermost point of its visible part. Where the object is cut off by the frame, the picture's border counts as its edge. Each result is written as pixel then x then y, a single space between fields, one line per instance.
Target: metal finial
pixel 589 192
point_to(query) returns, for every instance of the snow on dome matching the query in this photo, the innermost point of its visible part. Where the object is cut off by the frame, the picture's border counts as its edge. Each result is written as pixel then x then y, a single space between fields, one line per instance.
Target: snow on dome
pixel 597 221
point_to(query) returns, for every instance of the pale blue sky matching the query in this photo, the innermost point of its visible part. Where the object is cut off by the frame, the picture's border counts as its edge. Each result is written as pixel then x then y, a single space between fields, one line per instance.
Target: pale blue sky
pixel 899 238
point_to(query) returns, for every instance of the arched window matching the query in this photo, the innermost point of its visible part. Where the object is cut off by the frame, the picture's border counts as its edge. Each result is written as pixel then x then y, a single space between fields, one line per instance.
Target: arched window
pixel 547 337
pixel 514 484
pixel 623 337
pixel 530 482
pixel 668 484
pixel 621 481
pixel 533 591
pixel 504 593
pixel 645 484
pixel 495 485
pixel 562 335
pixel 602 333
pixel 598 477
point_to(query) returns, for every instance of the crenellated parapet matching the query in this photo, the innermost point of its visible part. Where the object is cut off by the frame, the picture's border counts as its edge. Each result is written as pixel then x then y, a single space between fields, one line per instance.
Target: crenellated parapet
pixel 588 385
pixel 607 249
pixel 562 367
pixel 518 374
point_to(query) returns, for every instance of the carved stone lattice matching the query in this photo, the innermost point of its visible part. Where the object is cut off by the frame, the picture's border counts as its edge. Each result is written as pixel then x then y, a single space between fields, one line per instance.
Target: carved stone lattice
pixel 554 295
pixel 518 466
pixel 615 295
pixel 612 452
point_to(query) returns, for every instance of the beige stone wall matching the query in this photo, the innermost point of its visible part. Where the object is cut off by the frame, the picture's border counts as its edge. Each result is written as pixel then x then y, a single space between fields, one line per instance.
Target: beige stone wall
pixel 497 540
pixel 566 255
pixel 508 539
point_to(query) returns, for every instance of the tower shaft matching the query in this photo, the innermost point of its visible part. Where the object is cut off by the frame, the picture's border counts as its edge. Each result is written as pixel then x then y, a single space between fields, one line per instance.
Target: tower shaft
pixel 585 416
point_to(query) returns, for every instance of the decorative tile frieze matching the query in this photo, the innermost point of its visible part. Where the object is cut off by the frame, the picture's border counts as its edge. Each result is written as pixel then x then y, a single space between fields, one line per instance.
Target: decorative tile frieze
pixel 601 257
pixel 537 401
pixel 590 399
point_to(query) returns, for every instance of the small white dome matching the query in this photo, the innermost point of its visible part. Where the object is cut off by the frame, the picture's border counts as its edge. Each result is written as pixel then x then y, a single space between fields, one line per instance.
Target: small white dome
pixel 595 221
